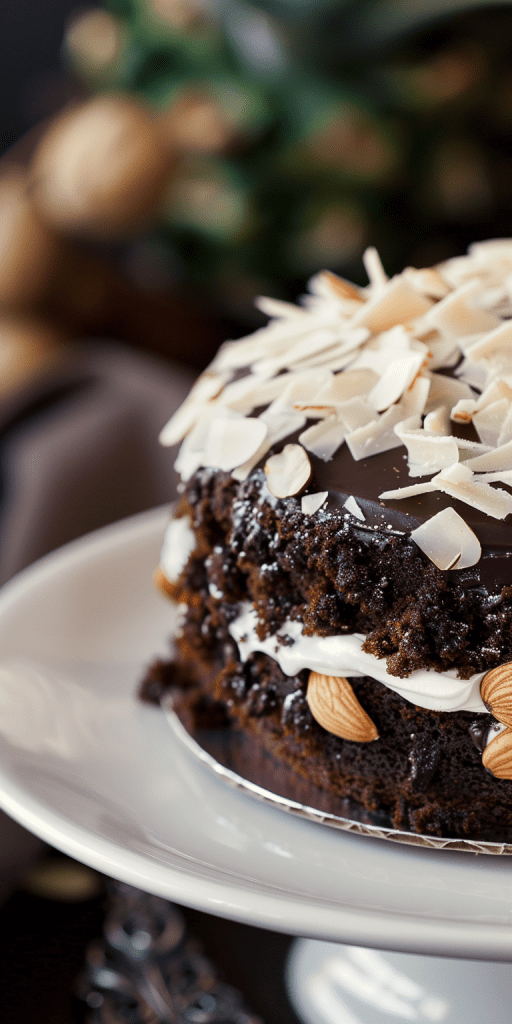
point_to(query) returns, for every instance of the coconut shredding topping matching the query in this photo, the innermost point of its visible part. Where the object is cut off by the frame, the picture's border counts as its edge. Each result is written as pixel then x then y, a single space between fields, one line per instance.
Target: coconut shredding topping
pixel 393 364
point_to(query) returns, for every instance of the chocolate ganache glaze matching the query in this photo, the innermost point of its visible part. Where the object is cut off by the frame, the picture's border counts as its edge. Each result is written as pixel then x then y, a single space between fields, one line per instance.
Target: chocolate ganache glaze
pixel 366 479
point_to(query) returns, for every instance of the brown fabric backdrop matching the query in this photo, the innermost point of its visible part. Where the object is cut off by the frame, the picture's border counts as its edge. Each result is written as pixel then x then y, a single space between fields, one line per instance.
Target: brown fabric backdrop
pixel 79 449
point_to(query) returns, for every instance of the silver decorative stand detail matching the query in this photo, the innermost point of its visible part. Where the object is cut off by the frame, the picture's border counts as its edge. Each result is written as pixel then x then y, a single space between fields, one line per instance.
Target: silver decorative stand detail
pixel 147 970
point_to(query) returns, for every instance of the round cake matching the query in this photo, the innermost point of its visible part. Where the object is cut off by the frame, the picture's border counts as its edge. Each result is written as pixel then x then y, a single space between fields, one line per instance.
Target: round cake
pixel 342 553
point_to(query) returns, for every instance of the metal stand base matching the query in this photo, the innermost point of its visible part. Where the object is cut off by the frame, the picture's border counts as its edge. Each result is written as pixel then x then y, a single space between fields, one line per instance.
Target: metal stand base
pixel 148 970
pixel 337 984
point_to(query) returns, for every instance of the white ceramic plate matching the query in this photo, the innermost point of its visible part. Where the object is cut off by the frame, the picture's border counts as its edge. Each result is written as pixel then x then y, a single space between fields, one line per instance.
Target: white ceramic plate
pixel 99 775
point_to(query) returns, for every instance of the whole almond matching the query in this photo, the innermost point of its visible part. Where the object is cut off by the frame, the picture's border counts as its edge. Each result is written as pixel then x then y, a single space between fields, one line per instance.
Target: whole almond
pixel 497 756
pixel 496 692
pixel 335 707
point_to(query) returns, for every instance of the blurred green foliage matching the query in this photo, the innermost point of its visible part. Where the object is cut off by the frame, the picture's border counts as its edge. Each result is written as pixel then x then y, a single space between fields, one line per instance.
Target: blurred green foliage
pixel 346 124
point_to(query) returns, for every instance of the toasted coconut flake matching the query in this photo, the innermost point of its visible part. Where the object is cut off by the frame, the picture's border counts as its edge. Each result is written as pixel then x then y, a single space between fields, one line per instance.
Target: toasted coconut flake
pixel 326 290
pixel 191 453
pixel 335 358
pixel 503 476
pixel 310 503
pixel 473 374
pixel 505 434
pixel 302 387
pixel 206 387
pixel 324 438
pixel 346 385
pixel 414 400
pixel 395 303
pixel 246 394
pixel 408 492
pixel 448 541
pixel 231 442
pixel 458 482
pixel 398 376
pixel 266 343
pixel 354 413
pixel 427 453
pixel 416 322
pixel 351 506
pixel 495 343
pixel 489 421
pixel 377 436
pixel 305 347
pixel 470 449
pixel 497 459
pixel 316 412
pixel 456 316
pixel 428 281
pixel 288 472
pixel 277 308
pixel 373 266
pixel 438 421
pixel 340 288
pixel 494 392
pixel 443 351
pixel 180 423
pixel 464 410
pixel 447 391
pixel 280 423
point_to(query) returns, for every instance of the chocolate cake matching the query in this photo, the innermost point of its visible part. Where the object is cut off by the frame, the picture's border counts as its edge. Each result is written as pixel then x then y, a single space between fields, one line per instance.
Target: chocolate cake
pixel 342 553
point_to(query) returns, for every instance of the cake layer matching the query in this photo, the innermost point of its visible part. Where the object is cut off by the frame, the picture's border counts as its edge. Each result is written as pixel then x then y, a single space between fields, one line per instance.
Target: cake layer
pixel 333 577
pixel 424 774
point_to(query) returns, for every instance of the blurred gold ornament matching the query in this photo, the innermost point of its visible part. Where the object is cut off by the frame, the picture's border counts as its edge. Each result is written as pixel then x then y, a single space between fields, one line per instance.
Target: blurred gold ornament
pixel 339 233
pixel 352 144
pixel 181 15
pixel 460 182
pixel 29 249
pixel 444 77
pixel 94 40
pixel 208 200
pixel 102 168
pixel 195 123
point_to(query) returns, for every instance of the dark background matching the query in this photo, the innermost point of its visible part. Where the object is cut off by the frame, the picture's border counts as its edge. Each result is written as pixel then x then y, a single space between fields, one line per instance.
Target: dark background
pixel 30 77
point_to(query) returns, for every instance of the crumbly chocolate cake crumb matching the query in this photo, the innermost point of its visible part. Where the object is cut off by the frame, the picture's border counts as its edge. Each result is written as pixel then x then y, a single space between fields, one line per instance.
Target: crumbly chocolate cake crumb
pixel 334 577
pixel 162 676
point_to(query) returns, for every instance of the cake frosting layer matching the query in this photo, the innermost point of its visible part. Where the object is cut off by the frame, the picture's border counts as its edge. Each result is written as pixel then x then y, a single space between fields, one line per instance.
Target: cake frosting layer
pixel 343 655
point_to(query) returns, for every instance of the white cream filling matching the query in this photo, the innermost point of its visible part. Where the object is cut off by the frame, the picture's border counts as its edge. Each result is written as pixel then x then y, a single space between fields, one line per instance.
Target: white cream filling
pixel 178 544
pixel 343 656
pixel 340 655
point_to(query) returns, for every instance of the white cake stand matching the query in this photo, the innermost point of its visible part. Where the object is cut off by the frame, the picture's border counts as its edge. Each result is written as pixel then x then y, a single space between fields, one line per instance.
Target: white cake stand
pixel 92 771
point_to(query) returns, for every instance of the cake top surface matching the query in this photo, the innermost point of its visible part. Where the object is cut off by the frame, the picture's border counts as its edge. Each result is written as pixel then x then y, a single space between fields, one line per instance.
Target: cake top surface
pixel 407 381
